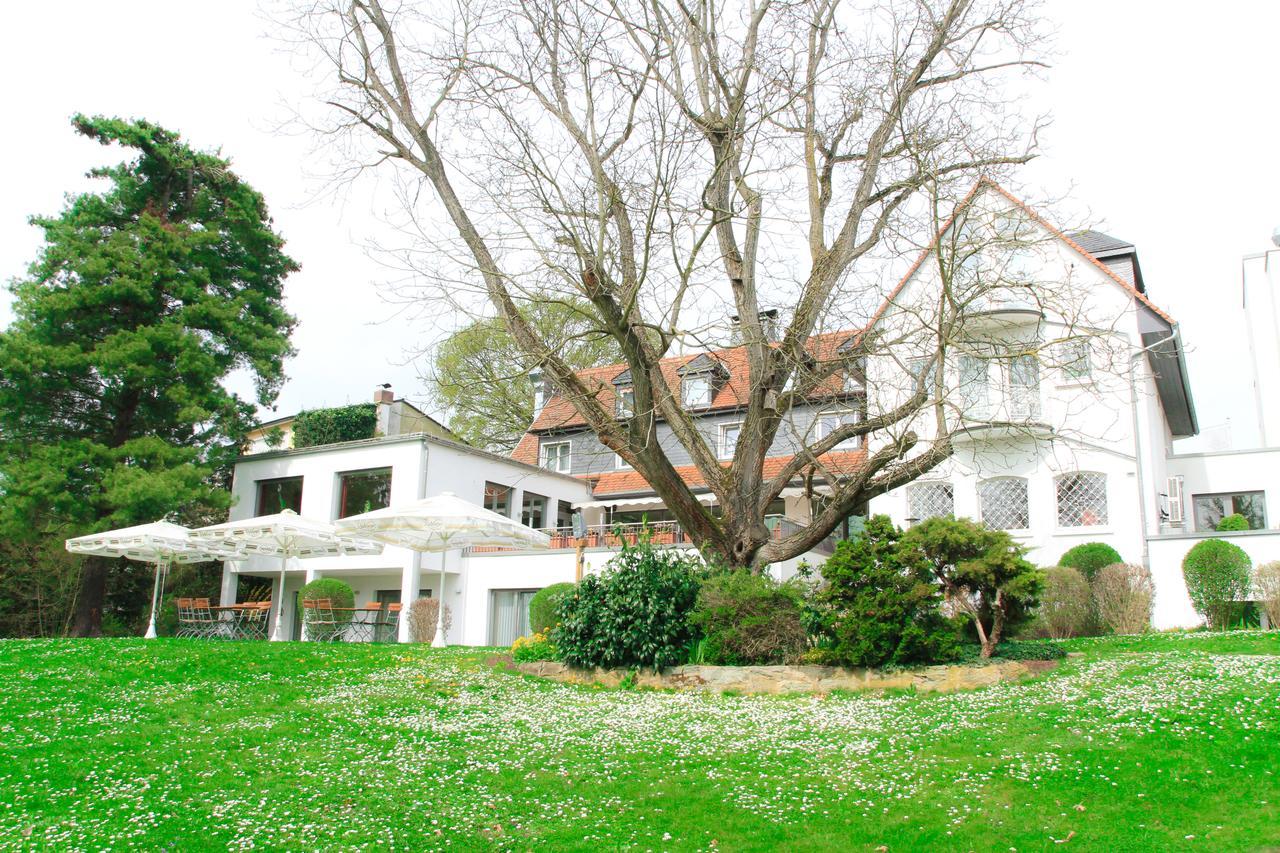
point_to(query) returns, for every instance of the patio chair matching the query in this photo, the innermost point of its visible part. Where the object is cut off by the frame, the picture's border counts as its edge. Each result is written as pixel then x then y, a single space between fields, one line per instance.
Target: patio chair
pixel 186 617
pixel 322 625
pixel 206 623
pixel 252 619
pixel 389 625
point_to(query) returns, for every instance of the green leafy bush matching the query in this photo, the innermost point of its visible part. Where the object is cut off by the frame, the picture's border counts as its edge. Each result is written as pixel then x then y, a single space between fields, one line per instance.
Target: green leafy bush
pixel 879 612
pixel 545 605
pixel 1064 603
pixel 1090 558
pixel 1235 521
pixel 537 646
pixel 634 613
pixel 340 593
pixel 982 573
pixel 1217 576
pixel 331 426
pixel 746 618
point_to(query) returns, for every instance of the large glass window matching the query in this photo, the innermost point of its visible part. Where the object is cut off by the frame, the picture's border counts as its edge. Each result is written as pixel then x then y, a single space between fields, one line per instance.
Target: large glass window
pixel 1077 360
pixel 930 500
pixel 829 422
pixel 564 514
pixel 364 491
pixel 1082 499
pixel 555 456
pixel 278 495
pixel 1003 503
pixel 973 386
pixel 1211 509
pixel 696 391
pixel 729 434
pixel 626 404
pixel 533 510
pixel 497 498
pixel 1024 387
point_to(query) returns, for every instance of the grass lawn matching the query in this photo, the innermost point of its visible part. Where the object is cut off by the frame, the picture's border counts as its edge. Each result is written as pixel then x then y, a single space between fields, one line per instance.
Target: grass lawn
pixel 1156 743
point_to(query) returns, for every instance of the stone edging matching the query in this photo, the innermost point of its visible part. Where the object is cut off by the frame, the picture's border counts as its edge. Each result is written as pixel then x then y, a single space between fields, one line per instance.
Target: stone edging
pixel 793 679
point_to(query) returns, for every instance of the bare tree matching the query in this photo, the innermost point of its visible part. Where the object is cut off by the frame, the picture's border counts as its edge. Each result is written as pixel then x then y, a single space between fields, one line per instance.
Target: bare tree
pixel 676 162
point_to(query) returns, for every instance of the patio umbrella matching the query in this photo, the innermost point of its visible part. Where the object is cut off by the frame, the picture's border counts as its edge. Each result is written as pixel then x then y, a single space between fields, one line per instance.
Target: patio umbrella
pixel 438 524
pixel 160 542
pixel 285 535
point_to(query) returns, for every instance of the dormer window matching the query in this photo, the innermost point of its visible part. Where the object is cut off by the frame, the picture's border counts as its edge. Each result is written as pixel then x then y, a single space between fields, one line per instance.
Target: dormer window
pixel 541 391
pixel 700 379
pixel 626 402
pixel 695 391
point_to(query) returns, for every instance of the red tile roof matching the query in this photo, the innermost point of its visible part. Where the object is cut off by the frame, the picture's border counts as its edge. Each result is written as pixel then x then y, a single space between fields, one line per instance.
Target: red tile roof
pixel 527 450
pixel 633 482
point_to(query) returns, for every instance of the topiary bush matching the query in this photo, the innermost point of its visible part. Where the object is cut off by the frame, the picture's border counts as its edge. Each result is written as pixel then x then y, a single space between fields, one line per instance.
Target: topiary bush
pixel 746 618
pixel 635 613
pixel 1064 604
pixel 1235 521
pixel 340 593
pixel 545 605
pixel 1123 596
pixel 1217 576
pixel 332 426
pixel 879 613
pixel 1090 558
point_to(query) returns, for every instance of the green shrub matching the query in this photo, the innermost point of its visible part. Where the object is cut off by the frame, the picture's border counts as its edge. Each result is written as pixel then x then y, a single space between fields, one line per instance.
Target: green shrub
pixel 537 646
pixel 746 618
pixel 634 613
pixel 1064 603
pixel 1217 576
pixel 331 426
pixel 340 593
pixel 982 572
pixel 879 613
pixel 1090 558
pixel 545 605
pixel 1235 521
pixel 1123 597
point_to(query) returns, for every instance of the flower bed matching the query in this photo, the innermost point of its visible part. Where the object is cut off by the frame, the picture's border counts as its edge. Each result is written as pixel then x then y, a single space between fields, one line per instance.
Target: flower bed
pixel 793 679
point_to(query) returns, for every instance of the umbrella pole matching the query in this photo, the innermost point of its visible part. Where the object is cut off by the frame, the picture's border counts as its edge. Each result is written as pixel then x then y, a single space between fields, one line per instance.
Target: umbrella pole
pixel 155 594
pixel 277 631
pixel 439 641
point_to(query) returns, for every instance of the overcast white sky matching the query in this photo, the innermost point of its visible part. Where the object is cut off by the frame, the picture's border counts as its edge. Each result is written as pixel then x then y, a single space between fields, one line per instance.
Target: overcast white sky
pixel 1166 133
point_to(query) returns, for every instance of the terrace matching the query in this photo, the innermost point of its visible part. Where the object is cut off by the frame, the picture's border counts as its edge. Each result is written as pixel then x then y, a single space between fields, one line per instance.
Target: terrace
pixel 670 533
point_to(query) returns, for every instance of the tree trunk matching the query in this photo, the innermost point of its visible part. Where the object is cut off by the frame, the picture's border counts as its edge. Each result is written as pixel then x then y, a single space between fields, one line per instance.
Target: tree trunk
pixel 93 593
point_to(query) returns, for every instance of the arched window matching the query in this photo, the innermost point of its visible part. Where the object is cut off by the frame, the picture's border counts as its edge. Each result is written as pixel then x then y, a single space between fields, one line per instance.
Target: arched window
pixel 1003 503
pixel 930 500
pixel 1082 499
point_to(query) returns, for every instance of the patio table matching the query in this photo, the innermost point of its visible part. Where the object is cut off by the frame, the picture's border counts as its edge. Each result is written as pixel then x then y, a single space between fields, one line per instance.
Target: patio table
pixel 365 626
pixel 244 621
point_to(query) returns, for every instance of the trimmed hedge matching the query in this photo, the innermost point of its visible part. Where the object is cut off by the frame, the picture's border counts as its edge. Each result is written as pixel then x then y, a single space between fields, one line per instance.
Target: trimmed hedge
pixel 544 607
pixel 1090 558
pixel 333 426
pixel 1217 576
pixel 1235 521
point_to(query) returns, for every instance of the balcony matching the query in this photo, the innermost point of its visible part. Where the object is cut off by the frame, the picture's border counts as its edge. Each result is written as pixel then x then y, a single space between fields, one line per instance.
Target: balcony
pixel 664 533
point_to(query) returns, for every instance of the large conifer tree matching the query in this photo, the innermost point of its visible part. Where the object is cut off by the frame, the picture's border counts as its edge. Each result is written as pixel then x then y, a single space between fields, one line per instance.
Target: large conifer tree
pixel 144 298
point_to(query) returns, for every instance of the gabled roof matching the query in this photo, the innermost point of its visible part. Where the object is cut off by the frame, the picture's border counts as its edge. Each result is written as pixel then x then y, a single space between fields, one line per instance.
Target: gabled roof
pixel 1101 245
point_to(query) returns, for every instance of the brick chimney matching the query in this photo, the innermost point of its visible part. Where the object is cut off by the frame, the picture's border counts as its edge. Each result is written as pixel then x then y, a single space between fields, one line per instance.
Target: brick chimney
pixel 383 397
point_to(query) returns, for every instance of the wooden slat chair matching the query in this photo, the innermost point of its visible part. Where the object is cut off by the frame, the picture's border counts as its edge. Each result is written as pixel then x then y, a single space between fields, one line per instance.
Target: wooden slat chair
pixel 388 625
pixel 322 625
pixel 252 620
pixel 206 623
pixel 186 617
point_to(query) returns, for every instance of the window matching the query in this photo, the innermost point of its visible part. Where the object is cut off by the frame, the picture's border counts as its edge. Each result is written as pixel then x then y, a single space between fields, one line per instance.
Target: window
pixel 533 510
pixel 1082 499
pixel 508 615
pixel 619 463
pixel 278 495
pixel 973 386
pixel 497 498
pixel 1024 387
pixel 921 377
pixel 1211 509
pixel 626 403
pixel 555 456
pixel 829 422
pixel 1003 503
pixel 696 391
pixel 729 434
pixel 930 500
pixel 564 514
pixel 1077 361
pixel 363 491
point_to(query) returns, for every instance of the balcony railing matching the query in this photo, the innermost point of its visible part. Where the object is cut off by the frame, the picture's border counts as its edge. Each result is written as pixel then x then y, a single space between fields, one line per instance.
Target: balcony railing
pixel 659 533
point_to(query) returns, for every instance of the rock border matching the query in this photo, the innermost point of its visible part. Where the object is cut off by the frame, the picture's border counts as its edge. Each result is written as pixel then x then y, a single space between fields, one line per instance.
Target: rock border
pixel 773 680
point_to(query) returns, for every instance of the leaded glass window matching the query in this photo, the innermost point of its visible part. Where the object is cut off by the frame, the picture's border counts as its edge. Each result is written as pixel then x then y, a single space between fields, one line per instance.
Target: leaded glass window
pixel 1082 499
pixel 930 500
pixel 1003 503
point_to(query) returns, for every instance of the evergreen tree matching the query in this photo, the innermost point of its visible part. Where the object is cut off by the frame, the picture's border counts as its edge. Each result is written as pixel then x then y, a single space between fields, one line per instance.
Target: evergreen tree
pixel 143 299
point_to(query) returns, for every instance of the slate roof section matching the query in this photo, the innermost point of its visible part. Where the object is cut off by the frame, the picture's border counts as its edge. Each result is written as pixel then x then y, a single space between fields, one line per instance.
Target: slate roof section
pixel 1101 245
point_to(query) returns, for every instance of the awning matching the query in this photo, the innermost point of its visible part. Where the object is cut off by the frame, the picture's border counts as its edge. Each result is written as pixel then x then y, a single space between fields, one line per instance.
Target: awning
pixel 706 498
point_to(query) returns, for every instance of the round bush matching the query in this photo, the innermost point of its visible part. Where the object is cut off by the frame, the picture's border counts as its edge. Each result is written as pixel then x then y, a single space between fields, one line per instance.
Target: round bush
pixel 1090 558
pixel 339 592
pixel 1235 521
pixel 1123 596
pixel 1217 576
pixel 748 619
pixel 634 613
pixel 1064 603
pixel 545 605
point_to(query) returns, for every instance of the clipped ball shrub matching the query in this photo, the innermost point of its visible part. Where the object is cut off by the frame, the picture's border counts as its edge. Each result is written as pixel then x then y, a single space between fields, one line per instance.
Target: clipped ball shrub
pixel 1123 596
pixel 747 619
pixel 633 614
pixel 339 594
pixel 1064 603
pixel 544 607
pixel 1217 576
pixel 1267 585
pixel 1235 521
pixel 1090 558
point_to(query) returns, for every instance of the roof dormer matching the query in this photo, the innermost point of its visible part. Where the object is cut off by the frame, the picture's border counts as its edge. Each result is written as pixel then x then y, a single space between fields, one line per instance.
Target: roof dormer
pixel 700 381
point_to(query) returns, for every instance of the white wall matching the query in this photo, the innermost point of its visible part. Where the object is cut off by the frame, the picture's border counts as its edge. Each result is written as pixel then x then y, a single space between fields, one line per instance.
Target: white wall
pixel 1229 471
pixel 1173 607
